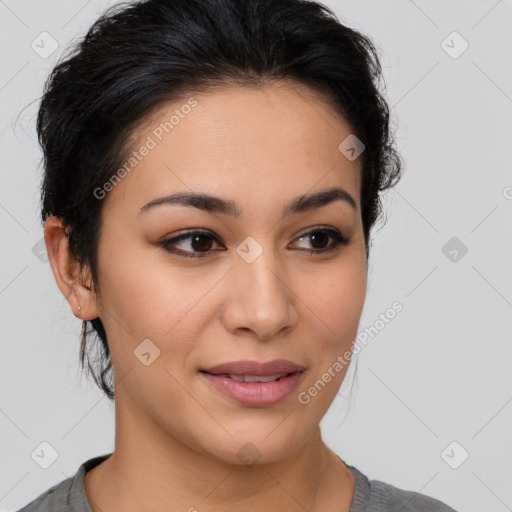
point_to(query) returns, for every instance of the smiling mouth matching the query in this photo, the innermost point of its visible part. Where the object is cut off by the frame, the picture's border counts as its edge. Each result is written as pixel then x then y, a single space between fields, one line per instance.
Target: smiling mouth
pixel 255 384
pixel 253 378
pixel 277 368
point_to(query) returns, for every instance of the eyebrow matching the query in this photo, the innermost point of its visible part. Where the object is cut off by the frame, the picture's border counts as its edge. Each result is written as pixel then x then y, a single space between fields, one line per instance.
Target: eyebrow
pixel 215 204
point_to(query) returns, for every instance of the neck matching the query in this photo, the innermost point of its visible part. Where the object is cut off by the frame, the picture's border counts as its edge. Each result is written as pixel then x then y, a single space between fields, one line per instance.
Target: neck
pixel 171 476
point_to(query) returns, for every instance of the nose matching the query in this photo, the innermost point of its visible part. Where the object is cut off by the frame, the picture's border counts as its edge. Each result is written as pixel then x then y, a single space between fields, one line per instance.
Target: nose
pixel 259 299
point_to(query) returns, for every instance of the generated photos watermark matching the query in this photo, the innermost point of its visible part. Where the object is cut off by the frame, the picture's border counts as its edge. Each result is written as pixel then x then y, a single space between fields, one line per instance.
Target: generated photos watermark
pixel 344 359
pixel 150 143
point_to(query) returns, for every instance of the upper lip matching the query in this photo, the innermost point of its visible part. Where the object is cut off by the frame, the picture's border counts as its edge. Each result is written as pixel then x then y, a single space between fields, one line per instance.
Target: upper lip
pixel 256 368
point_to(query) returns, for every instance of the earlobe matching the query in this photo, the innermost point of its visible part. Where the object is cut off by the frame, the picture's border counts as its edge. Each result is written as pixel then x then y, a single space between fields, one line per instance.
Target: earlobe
pixel 67 271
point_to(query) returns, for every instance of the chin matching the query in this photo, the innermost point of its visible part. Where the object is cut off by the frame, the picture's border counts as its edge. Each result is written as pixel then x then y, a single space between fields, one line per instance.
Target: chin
pixel 259 446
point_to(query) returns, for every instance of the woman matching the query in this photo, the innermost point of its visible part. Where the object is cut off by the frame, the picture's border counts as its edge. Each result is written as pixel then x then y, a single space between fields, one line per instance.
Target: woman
pixel 196 154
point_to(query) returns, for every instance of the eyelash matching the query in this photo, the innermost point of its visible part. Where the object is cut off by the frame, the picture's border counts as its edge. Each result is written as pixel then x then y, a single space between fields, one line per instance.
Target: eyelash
pixel 338 237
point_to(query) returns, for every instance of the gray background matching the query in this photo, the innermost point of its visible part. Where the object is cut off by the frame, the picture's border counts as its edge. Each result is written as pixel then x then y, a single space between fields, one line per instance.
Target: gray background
pixel 439 372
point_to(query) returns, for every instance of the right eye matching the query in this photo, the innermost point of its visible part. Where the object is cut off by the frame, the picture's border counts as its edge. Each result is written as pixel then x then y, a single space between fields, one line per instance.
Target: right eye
pixel 200 241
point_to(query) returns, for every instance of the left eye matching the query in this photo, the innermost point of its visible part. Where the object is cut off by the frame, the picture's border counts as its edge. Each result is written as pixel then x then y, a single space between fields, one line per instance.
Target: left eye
pixel 201 242
pixel 320 237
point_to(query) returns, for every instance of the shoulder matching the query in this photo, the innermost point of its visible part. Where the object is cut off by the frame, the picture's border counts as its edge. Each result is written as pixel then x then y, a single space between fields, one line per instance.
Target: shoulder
pixel 378 496
pixel 384 496
pixel 55 499
pixel 68 495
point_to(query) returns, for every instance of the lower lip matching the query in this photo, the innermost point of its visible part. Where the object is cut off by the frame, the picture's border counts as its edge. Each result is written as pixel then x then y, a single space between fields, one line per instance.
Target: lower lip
pixel 255 394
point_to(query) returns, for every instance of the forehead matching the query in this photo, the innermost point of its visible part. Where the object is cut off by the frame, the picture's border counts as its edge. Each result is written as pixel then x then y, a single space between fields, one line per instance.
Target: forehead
pixel 267 142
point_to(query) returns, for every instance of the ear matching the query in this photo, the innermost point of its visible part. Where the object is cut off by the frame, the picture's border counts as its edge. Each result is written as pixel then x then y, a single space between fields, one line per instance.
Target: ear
pixel 67 272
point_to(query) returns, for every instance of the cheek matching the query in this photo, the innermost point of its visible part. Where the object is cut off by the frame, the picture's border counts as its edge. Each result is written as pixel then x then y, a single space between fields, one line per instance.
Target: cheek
pixel 144 293
pixel 334 301
pixel 335 311
pixel 148 300
pixel 346 306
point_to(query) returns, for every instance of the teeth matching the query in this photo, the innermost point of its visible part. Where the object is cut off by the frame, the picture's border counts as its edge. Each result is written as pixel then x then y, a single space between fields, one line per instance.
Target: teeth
pixel 255 378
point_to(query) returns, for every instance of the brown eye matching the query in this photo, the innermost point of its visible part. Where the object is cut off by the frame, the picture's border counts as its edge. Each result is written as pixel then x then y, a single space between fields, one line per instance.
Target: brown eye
pixel 201 242
pixel 197 244
pixel 319 240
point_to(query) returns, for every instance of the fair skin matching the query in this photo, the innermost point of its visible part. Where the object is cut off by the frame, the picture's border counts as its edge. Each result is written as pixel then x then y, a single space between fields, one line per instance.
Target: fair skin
pixel 178 438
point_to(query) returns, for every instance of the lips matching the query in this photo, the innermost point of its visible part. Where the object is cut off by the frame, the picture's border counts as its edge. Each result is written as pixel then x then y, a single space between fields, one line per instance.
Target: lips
pixel 255 384
pixel 255 378
pixel 278 367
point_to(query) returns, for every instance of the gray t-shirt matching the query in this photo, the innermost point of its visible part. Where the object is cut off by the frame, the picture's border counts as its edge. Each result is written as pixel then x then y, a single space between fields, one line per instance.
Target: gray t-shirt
pixel 369 495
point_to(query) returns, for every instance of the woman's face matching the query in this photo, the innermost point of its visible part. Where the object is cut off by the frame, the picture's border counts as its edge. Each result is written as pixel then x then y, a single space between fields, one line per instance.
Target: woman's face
pixel 242 286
